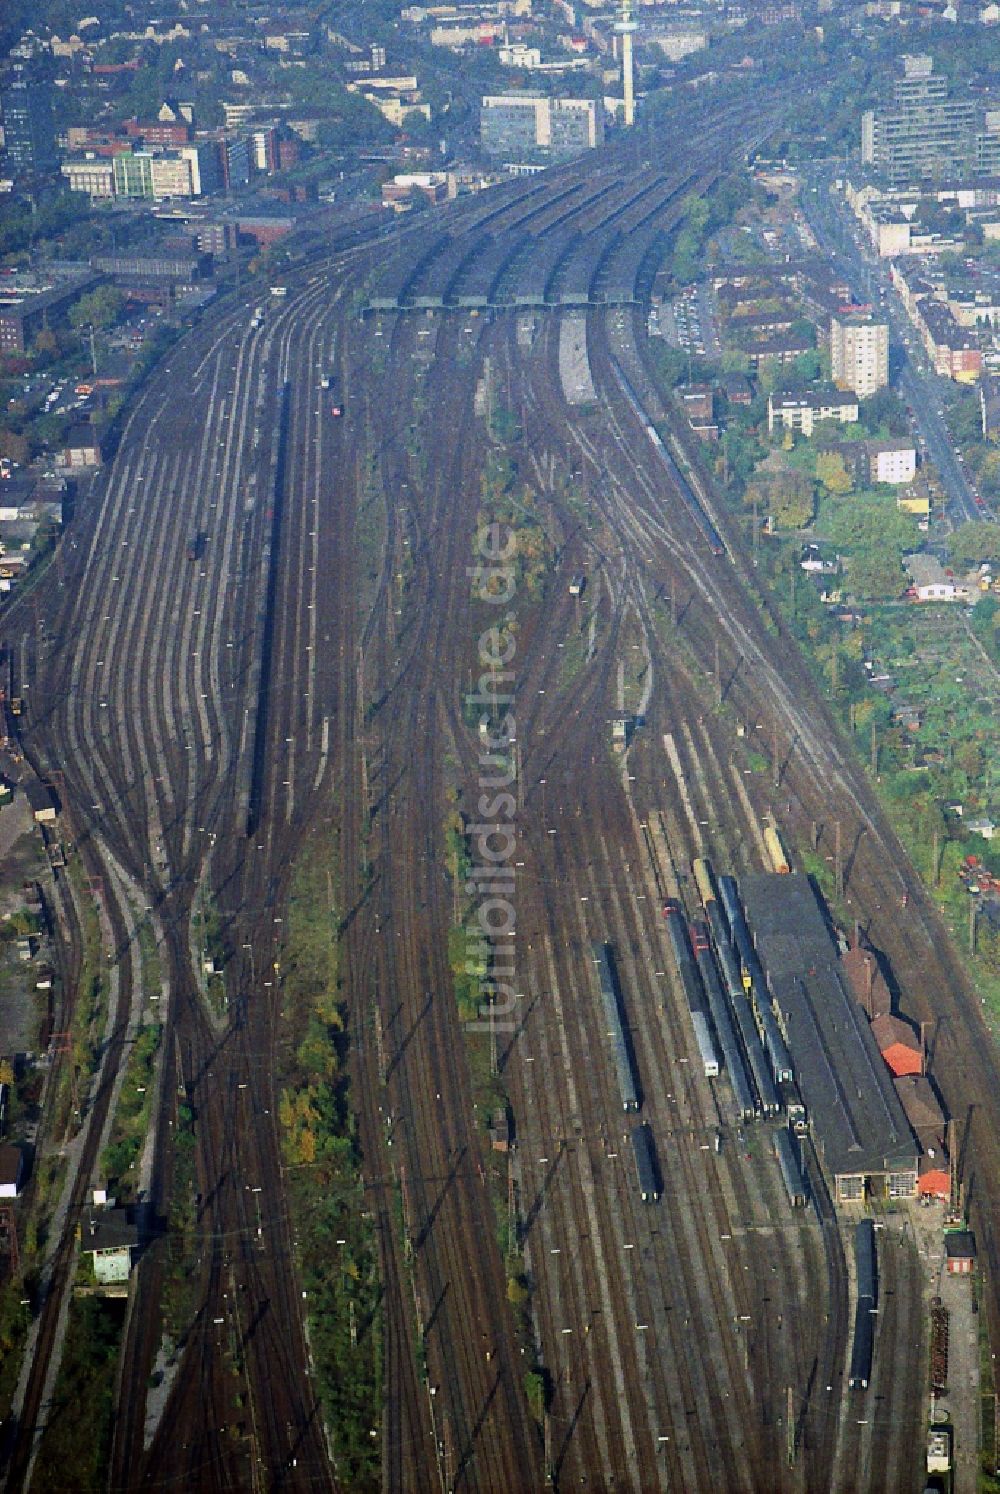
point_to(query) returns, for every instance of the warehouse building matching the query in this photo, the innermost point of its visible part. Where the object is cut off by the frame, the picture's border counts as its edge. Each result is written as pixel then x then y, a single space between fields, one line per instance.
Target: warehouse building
pixel 858 1125
pixel 923 1111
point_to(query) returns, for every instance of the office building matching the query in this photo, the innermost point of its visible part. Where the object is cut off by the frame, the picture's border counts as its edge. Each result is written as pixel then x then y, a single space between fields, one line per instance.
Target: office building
pixel 859 353
pixel 29 132
pixel 529 124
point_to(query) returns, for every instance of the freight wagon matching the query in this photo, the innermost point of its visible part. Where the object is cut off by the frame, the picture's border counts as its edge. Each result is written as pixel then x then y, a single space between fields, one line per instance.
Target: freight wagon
pixel 756 1057
pixel 786 1151
pixel 865 1260
pixel 774 1044
pixel 866 1268
pixel 863 1347
pixel 646 1166
pixel 776 853
pixel 706 1046
pixel 680 947
pixel 702 869
pixel 615 1029
pixel 697 1002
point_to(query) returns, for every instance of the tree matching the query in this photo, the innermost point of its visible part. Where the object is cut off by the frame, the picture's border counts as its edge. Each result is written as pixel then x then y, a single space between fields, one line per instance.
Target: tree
pixel 973 543
pixel 875 574
pixel 14 446
pixel 831 471
pixel 884 410
pixel 785 496
pixel 988 946
pixel 989 473
pixel 101 308
pixel 47 343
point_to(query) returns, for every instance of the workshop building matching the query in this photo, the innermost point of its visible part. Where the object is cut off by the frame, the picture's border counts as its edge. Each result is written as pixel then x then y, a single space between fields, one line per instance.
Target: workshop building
pixel 899 1044
pixel 960 1252
pixel 857 1121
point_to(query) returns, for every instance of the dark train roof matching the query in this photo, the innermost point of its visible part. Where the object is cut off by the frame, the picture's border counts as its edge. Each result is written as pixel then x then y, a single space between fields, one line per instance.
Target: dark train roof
pixel 855 1112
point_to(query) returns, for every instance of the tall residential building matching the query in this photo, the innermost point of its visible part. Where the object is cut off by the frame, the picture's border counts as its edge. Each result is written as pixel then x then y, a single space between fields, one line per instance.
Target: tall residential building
pixel 515 124
pixel 859 353
pixel 29 132
pixel 924 133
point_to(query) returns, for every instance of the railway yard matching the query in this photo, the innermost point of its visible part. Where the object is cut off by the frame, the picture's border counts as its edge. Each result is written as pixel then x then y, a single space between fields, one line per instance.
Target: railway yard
pixel 334 538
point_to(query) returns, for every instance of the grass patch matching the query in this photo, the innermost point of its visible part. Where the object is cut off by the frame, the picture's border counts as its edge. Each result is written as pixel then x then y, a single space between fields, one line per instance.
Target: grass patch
pixel 15 1320
pixel 180 1280
pixel 77 1439
pixel 121 1155
pixel 335 1239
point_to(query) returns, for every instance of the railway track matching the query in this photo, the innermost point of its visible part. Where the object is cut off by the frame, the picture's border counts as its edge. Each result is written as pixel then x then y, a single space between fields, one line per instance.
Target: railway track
pixel 146 703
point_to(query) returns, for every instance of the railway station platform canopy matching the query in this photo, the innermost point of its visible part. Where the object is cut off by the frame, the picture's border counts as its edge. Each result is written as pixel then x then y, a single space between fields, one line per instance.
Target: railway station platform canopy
pixel 857 1122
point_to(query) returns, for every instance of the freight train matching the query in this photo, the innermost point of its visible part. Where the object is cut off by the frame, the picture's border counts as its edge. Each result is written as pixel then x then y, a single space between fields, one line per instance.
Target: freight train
pixel 786 1151
pixel 702 522
pixel 732 1058
pixel 615 1027
pixel 680 946
pixel 756 1069
pixel 866 1267
pixel 753 980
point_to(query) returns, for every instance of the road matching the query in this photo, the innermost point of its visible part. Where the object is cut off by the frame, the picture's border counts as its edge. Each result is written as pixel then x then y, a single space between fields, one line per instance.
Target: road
pixel 918 386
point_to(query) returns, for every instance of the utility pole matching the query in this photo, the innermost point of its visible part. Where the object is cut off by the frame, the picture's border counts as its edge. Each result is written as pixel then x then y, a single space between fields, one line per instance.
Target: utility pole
pixel 756 530
pixel 837 863
pixel 936 856
pixel 718 676
pixel 775 759
pixel 673 602
pixel 493 1041
pixel 874 751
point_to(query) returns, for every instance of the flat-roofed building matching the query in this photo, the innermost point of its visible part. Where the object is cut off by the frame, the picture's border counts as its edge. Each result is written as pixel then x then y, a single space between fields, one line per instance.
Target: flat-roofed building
pixel 28 304
pixel 513 124
pixel 802 410
pixel 858 1124
pixel 94 175
pixel 924 134
pixel 892 461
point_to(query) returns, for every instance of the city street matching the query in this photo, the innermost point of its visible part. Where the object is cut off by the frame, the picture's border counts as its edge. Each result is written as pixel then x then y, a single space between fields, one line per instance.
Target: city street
pixel 916 384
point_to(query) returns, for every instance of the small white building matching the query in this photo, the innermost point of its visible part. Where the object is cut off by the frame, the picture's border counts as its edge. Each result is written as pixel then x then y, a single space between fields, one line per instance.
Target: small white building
pixel 110 1238
pixel 11 1170
pixel 892 461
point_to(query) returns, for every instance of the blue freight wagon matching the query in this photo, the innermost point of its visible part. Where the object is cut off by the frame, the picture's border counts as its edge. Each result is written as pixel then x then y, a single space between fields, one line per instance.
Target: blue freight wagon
pixel 646 1166
pixel 615 1028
